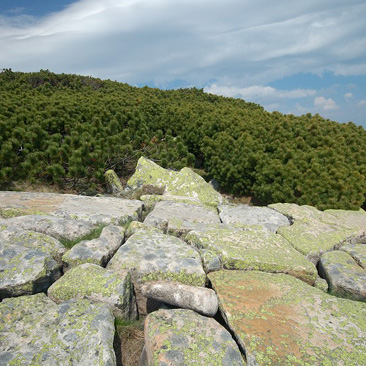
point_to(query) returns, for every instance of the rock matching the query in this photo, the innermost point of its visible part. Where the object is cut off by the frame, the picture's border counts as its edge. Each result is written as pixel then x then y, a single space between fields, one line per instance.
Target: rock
pixel 251 215
pixel 344 276
pixel 33 240
pixel 25 271
pixel 179 218
pixel 136 226
pixel 89 281
pixel 113 183
pixel 183 337
pixel 321 284
pixel 96 210
pixel 153 256
pixel 184 183
pixel 357 252
pixel 280 320
pixel 202 300
pixel 98 251
pixel 36 331
pixel 253 248
pixel 211 260
pixel 57 227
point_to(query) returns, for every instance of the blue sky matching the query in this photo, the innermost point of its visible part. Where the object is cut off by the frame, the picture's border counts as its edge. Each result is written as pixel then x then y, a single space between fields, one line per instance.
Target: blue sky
pixel 288 55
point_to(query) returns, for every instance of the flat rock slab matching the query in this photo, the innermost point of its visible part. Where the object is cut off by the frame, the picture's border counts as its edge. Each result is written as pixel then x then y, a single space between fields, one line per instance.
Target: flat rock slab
pixel 183 337
pixel 251 215
pixel 344 276
pixel 98 251
pixel 357 252
pixel 89 281
pixel 253 248
pixel 25 271
pixel 36 331
pixel 184 183
pixel 97 210
pixel 179 218
pixel 202 300
pixel 153 256
pixel 280 320
pixel 57 227
pixel 34 240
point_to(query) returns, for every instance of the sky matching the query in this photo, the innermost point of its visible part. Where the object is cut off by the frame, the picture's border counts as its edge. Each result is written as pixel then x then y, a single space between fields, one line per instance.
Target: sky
pixel 292 56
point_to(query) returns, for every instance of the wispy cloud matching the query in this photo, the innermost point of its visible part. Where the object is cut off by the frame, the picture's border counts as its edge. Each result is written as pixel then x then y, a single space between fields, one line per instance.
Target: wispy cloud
pixel 325 104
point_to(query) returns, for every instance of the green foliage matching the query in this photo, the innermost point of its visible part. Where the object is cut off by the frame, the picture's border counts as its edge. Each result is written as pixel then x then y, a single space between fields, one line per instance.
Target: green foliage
pixel 68 130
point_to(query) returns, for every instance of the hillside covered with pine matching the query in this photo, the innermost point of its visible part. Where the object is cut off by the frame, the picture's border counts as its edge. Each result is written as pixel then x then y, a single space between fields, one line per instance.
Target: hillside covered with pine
pixel 67 130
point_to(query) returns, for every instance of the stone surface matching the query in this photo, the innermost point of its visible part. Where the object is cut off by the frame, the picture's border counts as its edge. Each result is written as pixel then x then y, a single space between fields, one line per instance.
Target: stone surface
pixel 179 218
pixel 33 240
pixel 97 210
pixel 251 215
pixel 280 320
pixel 183 337
pixel 200 299
pixel 97 251
pixel 25 271
pixel 357 252
pixel 253 248
pixel 136 226
pixel 89 281
pixel 184 183
pixel 344 276
pixel 113 183
pixel 36 331
pixel 153 256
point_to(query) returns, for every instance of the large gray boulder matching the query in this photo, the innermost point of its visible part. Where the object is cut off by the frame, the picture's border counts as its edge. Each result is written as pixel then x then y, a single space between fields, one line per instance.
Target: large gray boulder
pixel 25 271
pixel 183 183
pixel 89 281
pixel 344 276
pixel 36 331
pixel 153 256
pixel 200 299
pixel 279 320
pixel 183 337
pixel 357 252
pixel 97 251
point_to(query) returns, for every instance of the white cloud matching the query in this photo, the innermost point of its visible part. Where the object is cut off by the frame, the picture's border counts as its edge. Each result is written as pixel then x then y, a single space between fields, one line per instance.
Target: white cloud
pixel 348 95
pixel 361 103
pixel 325 104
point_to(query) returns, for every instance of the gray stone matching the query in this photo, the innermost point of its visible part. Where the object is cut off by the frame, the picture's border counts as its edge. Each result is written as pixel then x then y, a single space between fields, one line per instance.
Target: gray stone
pixel 89 281
pixel 153 256
pixel 321 284
pixel 98 251
pixel 357 252
pixel 113 183
pixel 136 226
pixel 36 331
pixel 344 276
pixel 183 337
pixel 251 215
pixel 25 271
pixel 96 210
pixel 179 218
pixel 202 300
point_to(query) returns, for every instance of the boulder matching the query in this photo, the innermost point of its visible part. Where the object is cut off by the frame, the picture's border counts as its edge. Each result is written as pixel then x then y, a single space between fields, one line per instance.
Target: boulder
pixel 179 218
pixel 89 281
pixel 113 183
pixel 25 271
pixel 153 256
pixel 202 300
pixel 357 252
pixel 344 276
pixel 136 226
pixel 253 248
pixel 98 251
pixel 36 331
pixel 96 210
pixel 250 215
pixel 184 183
pixel 183 337
pixel 279 320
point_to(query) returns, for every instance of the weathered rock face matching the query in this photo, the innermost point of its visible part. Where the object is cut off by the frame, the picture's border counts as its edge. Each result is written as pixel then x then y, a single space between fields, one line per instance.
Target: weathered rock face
pixel 114 185
pixel 251 215
pixel 183 337
pixel 253 248
pixel 344 276
pixel 97 251
pixel 36 331
pixel 183 183
pixel 89 281
pixel 153 256
pixel 280 320
pixel 357 252
pixel 202 300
